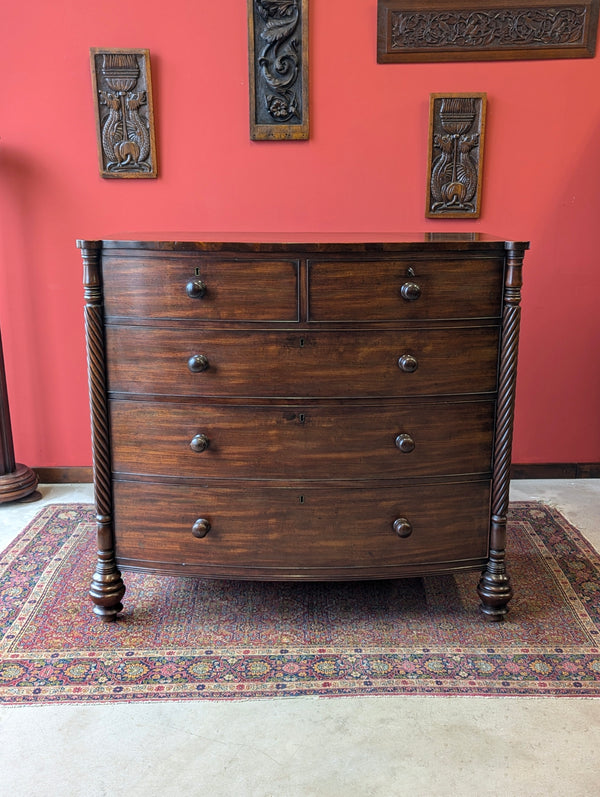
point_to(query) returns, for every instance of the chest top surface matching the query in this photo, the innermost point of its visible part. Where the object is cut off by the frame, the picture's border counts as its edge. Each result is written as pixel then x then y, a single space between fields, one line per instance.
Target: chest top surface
pixel 309 242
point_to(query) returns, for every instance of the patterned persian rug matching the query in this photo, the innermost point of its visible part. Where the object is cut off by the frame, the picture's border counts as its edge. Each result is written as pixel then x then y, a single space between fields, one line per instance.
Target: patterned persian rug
pixel 185 639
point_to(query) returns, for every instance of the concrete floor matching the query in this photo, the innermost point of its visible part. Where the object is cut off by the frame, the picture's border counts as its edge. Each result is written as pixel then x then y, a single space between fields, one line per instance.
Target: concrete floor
pixel 310 747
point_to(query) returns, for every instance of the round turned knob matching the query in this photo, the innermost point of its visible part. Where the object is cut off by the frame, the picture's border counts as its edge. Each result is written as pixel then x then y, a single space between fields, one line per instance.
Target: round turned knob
pixel 195 289
pixel 410 291
pixel 199 443
pixel 405 443
pixel 201 528
pixel 408 363
pixel 402 527
pixel 198 363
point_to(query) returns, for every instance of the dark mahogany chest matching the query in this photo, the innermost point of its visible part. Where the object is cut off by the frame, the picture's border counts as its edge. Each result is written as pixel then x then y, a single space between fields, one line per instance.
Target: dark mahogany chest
pixel 302 408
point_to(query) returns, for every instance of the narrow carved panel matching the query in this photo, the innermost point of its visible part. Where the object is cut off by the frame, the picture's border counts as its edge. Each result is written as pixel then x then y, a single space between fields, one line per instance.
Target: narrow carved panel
pixel 278 66
pixel 124 112
pixel 456 136
pixel 479 30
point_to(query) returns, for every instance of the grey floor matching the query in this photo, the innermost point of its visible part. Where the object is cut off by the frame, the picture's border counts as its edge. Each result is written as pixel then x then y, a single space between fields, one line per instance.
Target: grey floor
pixel 308 747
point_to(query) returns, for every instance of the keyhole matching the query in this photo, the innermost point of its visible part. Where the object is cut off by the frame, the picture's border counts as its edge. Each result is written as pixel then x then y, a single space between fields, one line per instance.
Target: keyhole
pixel 197 272
pixel 301 417
pixel 410 272
pixel 301 343
pixel 301 499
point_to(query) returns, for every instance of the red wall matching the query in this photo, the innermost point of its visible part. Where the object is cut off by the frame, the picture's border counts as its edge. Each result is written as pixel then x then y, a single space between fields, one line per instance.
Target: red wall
pixel 363 169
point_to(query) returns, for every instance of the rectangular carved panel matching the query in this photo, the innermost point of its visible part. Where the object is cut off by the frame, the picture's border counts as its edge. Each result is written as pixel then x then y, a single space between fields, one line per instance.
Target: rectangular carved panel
pixel 124 112
pixel 278 67
pixel 485 30
pixel 456 135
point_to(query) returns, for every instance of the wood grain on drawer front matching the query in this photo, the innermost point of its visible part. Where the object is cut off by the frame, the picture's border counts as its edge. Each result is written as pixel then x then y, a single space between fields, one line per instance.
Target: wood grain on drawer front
pixel 318 364
pixel 235 290
pixel 291 532
pixel 296 442
pixel 372 291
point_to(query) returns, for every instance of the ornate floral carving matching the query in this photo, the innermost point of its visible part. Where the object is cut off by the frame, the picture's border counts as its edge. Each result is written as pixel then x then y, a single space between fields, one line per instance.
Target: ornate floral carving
pixel 278 67
pixel 279 59
pixel 455 157
pixel 485 29
pixel 124 113
pixel 503 27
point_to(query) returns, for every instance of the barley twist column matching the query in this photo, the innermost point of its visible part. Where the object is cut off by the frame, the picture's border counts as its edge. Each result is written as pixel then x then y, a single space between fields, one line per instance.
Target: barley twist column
pixel 494 586
pixel 107 587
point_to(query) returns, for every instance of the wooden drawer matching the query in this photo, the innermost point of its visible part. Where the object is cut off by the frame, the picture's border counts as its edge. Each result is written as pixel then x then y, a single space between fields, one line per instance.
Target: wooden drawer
pixel 157 287
pixel 318 364
pixel 376 291
pixel 301 442
pixel 285 533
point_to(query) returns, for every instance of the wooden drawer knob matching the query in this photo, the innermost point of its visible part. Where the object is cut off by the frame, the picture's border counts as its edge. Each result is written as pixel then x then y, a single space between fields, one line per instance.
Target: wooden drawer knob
pixel 402 527
pixel 198 363
pixel 199 443
pixel 195 289
pixel 201 528
pixel 408 363
pixel 405 443
pixel 410 291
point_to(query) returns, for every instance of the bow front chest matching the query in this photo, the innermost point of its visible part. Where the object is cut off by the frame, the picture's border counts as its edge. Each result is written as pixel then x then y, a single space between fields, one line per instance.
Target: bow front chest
pixel 302 408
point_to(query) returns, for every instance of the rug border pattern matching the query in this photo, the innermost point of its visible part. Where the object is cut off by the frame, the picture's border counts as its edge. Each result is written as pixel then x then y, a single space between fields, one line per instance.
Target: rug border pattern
pixel 42 677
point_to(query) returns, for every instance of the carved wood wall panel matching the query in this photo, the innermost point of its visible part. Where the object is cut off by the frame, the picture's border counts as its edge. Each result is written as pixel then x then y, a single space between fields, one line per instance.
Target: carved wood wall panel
pixel 122 86
pixel 278 67
pixel 485 30
pixel 456 137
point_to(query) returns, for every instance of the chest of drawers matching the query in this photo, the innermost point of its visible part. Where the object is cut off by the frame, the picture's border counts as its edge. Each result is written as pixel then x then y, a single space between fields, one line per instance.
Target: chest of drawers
pixel 307 409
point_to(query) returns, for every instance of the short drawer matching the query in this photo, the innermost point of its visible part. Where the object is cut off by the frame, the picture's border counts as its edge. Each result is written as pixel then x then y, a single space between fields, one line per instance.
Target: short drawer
pixel 301 442
pixel 189 362
pixel 392 290
pixel 201 288
pixel 288 533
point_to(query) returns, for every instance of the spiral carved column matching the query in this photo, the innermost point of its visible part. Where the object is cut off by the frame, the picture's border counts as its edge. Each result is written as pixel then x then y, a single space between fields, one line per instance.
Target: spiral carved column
pixel 107 587
pixel 494 587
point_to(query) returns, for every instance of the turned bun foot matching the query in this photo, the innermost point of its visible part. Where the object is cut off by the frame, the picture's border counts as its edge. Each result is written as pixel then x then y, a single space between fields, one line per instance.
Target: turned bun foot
pixel 107 589
pixel 18 484
pixel 495 590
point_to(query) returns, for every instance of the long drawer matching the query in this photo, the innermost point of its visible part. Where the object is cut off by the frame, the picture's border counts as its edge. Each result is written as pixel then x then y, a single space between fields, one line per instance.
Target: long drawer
pixel 284 533
pixel 345 363
pixel 301 442
pixel 392 290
